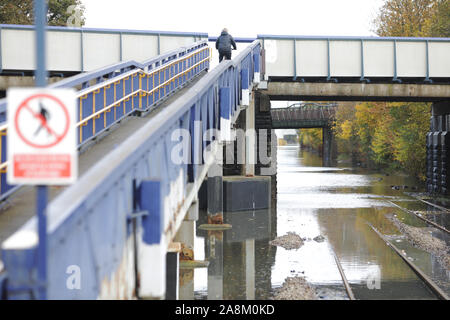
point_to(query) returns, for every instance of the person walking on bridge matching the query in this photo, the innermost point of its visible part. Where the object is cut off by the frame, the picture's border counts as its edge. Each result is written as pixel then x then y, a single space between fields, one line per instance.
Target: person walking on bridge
pixel 224 44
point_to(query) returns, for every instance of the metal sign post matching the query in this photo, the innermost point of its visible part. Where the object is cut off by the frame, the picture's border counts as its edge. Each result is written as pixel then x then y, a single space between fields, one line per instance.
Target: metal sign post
pixel 40 16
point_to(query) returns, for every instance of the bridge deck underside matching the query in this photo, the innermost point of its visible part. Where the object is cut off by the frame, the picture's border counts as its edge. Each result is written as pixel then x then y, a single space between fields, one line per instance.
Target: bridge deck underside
pixel 20 207
pixel 330 91
pixel 299 124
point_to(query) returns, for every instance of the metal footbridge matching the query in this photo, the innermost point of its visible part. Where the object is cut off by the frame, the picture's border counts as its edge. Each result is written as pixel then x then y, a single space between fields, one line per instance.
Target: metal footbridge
pixel 117 223
pixel 303 115
pixel 131 198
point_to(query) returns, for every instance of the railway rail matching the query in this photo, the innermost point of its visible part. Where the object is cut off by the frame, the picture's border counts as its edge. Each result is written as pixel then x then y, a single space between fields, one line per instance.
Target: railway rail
pixel 348 289
pixel 434 224
pixel 433 205
pixel 440 294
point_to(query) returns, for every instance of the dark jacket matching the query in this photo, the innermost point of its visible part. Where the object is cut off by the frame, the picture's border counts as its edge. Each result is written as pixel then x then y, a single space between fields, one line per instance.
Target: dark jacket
pixel 225 41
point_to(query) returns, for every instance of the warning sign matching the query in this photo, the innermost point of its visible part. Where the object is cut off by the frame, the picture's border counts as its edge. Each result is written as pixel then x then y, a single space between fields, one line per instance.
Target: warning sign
pixel 42 145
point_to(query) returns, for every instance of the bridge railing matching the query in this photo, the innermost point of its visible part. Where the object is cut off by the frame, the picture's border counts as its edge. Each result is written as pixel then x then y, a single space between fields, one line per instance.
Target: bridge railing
pixel 86 49
pixel 142 189
pixel 110 94
pixel 305 112
pixel 360 58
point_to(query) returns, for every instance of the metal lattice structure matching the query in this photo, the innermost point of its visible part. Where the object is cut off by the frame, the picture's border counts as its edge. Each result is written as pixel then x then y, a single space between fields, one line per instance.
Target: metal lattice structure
pixel 304 115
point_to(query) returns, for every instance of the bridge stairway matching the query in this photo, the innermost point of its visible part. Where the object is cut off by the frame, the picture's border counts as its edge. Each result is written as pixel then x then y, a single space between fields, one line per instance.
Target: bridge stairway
pixel 17 209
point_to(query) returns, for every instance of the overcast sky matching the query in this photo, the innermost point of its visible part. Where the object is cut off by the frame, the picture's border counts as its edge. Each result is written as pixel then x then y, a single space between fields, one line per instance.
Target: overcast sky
pixel 243 18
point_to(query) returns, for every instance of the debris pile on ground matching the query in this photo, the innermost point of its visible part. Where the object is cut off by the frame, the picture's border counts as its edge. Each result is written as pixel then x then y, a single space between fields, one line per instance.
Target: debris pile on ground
pixel 295 288
pixel 422 239
pixel 319 238
pixel 289 241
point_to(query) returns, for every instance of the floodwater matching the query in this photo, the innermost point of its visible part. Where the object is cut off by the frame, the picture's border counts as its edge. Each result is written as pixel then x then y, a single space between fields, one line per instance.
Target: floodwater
pixel 338 203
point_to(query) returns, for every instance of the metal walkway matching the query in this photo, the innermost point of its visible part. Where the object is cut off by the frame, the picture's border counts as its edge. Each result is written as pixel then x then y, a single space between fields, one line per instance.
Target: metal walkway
pixel 129 202
pixel 20 206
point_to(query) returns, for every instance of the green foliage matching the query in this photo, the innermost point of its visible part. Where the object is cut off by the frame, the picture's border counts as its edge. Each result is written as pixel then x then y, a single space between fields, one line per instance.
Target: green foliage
pixel 413 18
pixel 387 134
pixel 311 138
pixel 411 124
pixel 440 26
pixel 16 12
pixel 393 134
pixel 21 12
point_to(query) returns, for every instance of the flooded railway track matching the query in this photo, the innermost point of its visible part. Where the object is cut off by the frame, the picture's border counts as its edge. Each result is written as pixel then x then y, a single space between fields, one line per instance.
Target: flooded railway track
pixel 348 289
pixel 434 224
pixel 433 205
pixel 430 283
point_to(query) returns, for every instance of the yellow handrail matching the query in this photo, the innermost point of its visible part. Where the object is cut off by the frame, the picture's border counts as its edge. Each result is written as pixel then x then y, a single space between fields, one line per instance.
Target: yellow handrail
pixel 142 93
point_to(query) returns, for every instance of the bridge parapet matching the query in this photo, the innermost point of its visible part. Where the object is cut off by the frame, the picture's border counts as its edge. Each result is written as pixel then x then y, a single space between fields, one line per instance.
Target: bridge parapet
pixel 86 49
pixel 385 59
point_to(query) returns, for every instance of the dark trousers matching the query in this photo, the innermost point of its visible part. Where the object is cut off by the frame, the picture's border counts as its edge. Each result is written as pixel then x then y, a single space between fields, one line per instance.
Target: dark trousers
pixel 224 54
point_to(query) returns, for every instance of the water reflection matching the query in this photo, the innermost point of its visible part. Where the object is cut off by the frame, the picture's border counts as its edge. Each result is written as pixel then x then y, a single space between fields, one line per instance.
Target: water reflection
pixel 234 257
pixel 337 203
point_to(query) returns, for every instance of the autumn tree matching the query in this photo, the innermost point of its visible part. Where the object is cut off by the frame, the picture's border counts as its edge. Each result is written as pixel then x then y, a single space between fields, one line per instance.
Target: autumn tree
pixel 60 12
pixel 311 138
pixel 440 24
pixel 413 18
pixel 393 134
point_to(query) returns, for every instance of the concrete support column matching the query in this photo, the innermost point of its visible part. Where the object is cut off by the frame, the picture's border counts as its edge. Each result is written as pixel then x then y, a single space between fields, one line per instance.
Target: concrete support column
pixel 215 193
pixel 186 236
pixel 250 269
pixel 328 145
pixel 250 138
pixel 172 278
pixel 214 251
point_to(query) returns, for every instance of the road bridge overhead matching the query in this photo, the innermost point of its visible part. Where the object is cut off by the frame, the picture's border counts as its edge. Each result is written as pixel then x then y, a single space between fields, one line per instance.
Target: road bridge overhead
pixel 350 59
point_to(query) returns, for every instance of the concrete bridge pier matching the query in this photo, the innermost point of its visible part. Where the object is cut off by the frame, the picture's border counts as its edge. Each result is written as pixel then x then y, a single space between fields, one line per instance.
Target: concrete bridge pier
pixel 250 138
pixel 186 236
pixel 214 254
pixel 267 143
pixel 215 194
pixel 438 150
pixel 329 146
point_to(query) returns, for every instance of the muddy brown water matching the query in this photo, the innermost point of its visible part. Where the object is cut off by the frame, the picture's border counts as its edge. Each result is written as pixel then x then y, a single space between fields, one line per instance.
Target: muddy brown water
pixel 337 203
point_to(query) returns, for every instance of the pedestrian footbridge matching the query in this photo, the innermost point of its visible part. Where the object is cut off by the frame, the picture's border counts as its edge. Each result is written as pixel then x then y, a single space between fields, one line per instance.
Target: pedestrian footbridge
pixel 303 115
pixel 150 124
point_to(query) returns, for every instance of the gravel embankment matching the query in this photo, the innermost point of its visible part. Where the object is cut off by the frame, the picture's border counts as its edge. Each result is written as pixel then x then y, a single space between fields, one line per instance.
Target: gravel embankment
pixel 289 241
pixel 422 239
pixel 295 288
